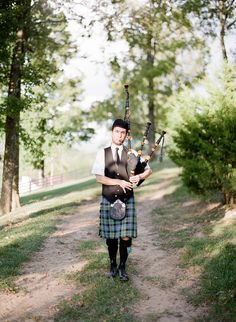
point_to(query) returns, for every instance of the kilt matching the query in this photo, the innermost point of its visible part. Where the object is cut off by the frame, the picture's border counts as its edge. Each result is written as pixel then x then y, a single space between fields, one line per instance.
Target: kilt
pixel 110 228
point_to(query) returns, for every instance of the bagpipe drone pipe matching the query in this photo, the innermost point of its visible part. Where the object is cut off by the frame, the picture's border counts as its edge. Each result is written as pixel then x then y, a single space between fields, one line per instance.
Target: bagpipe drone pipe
pixel 136 165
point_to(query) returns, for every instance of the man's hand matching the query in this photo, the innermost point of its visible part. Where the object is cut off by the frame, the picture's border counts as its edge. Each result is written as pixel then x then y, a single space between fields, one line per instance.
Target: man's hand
pixel 135 179
pixel 125 185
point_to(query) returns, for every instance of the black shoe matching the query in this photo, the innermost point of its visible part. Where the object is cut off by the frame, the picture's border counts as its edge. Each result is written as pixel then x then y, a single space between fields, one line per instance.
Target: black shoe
pixel 122 274
pixel 113 271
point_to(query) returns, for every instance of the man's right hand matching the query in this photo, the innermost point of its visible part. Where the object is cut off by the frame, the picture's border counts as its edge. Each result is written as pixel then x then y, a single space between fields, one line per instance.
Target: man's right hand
pixel 125 185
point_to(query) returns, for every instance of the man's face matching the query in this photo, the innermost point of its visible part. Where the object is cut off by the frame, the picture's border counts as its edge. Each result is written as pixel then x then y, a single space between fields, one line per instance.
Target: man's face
pixel 118 135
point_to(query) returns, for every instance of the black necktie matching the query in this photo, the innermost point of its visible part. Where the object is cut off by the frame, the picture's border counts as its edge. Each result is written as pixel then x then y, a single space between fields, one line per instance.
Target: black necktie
pixel 117 156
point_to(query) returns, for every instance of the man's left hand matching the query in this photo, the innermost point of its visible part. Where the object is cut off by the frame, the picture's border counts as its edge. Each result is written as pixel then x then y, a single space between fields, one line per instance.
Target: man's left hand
pixel 135 179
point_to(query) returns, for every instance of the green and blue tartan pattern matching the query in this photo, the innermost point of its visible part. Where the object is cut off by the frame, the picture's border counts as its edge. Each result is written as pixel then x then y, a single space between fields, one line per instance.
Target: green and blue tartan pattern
pixel 110 228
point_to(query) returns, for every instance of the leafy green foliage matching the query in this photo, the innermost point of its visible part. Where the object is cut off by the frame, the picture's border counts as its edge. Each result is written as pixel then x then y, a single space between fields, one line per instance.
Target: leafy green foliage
pixel 215 18
pixel 158 36
pixel 56 118
pixel 49 103
pixel 210 12
pixel 206 144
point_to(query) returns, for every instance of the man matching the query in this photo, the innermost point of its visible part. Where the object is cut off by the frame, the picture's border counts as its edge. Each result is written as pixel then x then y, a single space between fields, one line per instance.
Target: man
pixel 110 168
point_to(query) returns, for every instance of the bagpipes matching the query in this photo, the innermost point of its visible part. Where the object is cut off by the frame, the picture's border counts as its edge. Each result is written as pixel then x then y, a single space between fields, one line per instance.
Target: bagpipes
pixel 135 163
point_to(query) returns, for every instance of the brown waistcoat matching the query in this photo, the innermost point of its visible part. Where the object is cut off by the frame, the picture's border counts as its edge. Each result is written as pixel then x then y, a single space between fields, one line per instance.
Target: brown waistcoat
pixel 112 193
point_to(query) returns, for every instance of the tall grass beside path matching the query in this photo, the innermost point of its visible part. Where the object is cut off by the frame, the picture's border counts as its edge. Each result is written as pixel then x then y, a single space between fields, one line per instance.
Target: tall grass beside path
pixel 51 198
pixel 205 241
pixel 19 241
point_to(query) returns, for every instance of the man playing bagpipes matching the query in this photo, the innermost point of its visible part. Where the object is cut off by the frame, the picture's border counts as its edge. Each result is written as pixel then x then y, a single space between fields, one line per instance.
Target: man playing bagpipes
pixel 118 221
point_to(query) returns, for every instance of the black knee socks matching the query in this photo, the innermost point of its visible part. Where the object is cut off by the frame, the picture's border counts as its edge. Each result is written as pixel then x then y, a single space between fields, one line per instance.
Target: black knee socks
pixel 112 249
pixel 124 244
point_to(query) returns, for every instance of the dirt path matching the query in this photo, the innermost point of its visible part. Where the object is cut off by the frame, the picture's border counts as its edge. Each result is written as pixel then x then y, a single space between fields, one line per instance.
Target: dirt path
pixel 158 276
pixel 42 284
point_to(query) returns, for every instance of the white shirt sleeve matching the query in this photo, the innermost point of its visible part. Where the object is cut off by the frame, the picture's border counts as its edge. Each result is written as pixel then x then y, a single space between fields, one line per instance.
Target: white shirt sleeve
pixel 99 164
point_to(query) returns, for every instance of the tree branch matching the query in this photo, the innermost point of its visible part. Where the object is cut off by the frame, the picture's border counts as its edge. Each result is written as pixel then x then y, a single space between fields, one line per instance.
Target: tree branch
pixel 231 24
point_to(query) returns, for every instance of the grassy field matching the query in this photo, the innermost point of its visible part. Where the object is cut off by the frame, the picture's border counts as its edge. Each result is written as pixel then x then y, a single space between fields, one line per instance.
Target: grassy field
pixel 19 241
pixel 206 243
pixel 195 229
pixel 85 187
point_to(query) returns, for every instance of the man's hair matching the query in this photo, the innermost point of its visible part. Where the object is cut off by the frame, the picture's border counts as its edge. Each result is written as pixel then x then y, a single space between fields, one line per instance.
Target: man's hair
pixel 120 123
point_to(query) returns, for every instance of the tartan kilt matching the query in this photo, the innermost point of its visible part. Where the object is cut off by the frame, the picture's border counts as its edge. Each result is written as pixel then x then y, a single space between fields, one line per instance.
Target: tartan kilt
pixel 110 228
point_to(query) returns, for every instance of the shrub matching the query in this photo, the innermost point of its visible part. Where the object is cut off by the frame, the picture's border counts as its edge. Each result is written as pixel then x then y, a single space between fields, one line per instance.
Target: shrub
pixel 205 146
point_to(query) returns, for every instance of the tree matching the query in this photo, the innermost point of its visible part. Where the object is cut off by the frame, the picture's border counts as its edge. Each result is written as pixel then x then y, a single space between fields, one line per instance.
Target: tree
pixel 32 39
pixel 11 156
pixel 159 38
pixel 216 17
pixel 57 120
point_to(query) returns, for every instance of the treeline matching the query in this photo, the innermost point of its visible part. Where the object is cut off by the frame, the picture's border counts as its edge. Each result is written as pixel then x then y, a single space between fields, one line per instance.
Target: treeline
pixel 35 95
pixel 169 49
pixel 167 52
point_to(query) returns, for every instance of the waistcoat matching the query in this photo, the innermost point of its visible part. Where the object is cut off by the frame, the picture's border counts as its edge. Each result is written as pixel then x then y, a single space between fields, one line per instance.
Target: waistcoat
pixel 112 193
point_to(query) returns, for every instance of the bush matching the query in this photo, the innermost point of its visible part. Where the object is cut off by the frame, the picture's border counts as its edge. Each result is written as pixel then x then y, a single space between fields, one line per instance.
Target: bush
pixel 205 146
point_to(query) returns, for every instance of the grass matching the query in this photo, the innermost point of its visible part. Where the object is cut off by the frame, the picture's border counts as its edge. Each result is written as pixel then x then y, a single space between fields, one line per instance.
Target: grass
pixel 19 242
pixel 185 224
pixel 106 299
pixel 206 242
pixel 45 195
pixel 218 284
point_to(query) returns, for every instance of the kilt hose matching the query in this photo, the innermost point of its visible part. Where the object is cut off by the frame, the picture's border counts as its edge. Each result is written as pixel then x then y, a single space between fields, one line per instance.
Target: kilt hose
pixel 110 228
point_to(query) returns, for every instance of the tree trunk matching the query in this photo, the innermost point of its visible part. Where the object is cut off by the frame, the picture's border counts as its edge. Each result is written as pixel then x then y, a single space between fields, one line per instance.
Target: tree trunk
pixel 229 199
pixel 16 156
pixel 151 112
pixel 8 165
pixel 10 179
pixel 151 105
pixel 42 169
pixel 222 30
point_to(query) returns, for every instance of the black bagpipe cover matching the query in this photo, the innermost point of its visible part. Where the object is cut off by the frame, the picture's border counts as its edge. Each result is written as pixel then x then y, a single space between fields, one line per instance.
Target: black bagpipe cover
pixel 140 167
pixel 135 165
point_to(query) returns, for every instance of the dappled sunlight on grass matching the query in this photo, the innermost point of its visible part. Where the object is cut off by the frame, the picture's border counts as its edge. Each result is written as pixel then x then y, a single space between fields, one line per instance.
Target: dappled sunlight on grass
pixel 195 230
pixel 56 192
pixel 205 239
pixel 20 241
pixel 47 200
pixel 163 181
pixel 101 297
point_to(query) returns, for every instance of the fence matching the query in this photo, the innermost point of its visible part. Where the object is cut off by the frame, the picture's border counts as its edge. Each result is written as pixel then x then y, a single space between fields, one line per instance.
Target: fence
pixel 28 184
